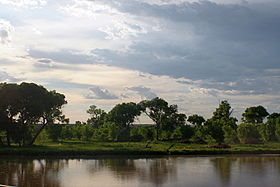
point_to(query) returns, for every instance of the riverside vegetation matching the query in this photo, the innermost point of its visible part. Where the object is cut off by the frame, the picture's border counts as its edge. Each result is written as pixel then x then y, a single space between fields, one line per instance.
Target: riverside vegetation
pixel 32 123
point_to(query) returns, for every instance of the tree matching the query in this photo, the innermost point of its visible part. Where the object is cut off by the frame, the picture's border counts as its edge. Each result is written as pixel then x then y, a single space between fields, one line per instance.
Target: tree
pixel 109 131
pixel 165 117
pixel 54 131
pixel 254 114
pixel 277 129
pixel 124 114
pixel 272 120
pixel 24 106
pixel 221 118
pixel 97 116
pixel 8 103
pixel 183 132
pixel 248 133
pixel 196 119
pixel 142 133
pixel 230 135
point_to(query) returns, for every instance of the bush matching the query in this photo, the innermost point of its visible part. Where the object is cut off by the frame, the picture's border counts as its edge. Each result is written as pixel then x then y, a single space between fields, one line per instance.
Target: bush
pixel 54 131
pixel 87 132
pixel 109 131
pixel 248 133
pixel 230 135
pixel 183 132
pixel 263 131
pixel 277 131
pixel 200 133
pixel 135 134
pixel 67 132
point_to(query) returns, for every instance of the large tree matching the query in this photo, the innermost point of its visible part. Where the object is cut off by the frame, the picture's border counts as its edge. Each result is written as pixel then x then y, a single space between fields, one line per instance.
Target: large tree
pixel 165 117
pixel 124 114
pixel 221 121
pixel 26 105
pixel 254 114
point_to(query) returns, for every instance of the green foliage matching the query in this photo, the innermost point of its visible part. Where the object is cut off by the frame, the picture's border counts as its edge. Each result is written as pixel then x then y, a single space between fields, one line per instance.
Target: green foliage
pixel 42 138
pixel 25 105
pixel 272 120
pixel 230 135
pixel 97 116
pixel 87 132
pixel 166 117
pixel 183 132
pixel 254 114
pixel 135 134
pixel 67 132
pixel 248 133
pixel 221 118
pixel 142 133
pixel 110 131
pixel 209 139
pixel 200 133
pixel 196 119
pixel 123 114
pixel 277 129
pixel 54 131
pixel 262 128
pixel 165 135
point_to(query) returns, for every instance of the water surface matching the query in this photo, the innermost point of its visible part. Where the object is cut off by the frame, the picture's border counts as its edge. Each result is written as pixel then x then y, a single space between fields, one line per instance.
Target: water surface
pixel 197 171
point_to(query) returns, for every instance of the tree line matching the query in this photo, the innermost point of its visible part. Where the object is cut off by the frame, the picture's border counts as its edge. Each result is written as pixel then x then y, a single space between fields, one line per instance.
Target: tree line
pixel 29 112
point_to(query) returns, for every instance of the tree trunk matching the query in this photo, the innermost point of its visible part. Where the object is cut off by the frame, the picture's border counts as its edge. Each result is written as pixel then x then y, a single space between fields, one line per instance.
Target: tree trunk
pixel 37 134
pixel 157 130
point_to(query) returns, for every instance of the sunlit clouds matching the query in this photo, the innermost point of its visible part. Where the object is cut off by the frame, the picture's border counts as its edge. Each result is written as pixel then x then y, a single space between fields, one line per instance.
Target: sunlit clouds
pixel 191 53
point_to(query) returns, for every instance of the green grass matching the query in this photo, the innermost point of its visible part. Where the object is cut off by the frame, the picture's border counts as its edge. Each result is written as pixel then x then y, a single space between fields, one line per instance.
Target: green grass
pixel 79 148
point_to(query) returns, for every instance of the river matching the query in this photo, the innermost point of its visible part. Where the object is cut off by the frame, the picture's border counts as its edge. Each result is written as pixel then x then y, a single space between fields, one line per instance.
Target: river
pixel 174 171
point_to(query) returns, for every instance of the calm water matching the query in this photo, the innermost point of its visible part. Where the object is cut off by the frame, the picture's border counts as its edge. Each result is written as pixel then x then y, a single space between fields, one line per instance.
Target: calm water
pixel 235 171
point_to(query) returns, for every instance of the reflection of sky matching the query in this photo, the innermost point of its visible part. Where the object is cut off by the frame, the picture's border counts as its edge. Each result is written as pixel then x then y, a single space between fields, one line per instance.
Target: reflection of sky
pixel 175 171
pixel 192 53
pixel 231 171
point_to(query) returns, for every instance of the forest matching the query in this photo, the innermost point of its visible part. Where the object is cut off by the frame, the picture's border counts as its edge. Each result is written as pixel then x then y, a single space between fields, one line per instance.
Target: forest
pixel 29 113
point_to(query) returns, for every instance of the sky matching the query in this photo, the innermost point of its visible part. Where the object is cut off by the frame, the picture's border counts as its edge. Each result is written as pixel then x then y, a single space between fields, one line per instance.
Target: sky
pixel 193 53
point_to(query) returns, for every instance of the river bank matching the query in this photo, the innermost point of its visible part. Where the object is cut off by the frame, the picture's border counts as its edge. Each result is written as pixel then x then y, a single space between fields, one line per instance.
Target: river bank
pixel 89 149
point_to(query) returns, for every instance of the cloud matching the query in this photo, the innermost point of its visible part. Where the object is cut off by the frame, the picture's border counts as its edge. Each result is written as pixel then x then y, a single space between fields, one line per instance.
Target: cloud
pixel 122 30
pixel 143 92
pixel 5 77
pixel 48 64
pixel 216 49
pixel 95 92
pixel 45 61
pixel 66 56
pixel 24 3
pixel 5 31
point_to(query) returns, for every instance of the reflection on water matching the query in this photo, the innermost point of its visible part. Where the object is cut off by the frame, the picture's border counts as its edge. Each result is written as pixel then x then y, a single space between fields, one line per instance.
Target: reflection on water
pixel 168 171
pixel 30 172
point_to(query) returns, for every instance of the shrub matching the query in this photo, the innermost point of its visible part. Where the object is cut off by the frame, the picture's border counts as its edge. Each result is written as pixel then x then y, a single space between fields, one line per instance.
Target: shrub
pixel 248 133
pixel 230 135
pixel 54 131
pixel 277 131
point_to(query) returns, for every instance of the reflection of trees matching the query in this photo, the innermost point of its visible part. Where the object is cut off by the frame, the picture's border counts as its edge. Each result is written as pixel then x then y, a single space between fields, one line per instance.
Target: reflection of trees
pixel 160 170
pixel 223 168
pixel 156 171
pixel 27 173
pixel 258 165
pixel 255 165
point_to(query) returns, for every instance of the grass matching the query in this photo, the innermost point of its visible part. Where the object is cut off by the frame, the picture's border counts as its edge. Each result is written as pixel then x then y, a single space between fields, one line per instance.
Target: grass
pixel 79 149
